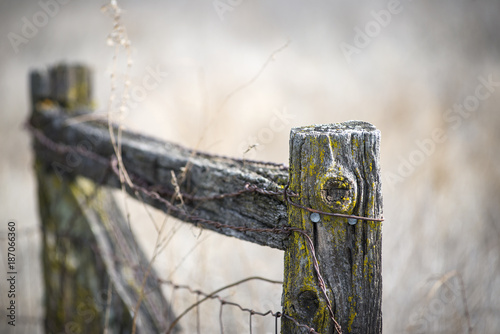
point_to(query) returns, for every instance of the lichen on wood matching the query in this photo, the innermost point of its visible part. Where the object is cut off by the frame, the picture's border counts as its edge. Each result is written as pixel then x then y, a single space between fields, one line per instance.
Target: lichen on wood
pixel 335 168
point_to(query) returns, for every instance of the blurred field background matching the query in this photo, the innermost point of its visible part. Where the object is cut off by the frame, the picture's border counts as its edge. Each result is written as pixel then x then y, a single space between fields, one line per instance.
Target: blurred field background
pixel 441 198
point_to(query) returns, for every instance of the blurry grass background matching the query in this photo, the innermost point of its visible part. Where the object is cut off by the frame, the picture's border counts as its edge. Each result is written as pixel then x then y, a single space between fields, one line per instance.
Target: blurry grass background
pixel 441 213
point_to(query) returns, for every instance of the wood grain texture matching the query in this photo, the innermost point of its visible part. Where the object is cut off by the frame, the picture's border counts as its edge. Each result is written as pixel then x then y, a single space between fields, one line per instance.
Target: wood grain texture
pixel 335 168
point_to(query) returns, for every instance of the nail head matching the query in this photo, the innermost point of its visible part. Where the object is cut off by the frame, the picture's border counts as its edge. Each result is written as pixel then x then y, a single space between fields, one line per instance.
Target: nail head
pixel 315 217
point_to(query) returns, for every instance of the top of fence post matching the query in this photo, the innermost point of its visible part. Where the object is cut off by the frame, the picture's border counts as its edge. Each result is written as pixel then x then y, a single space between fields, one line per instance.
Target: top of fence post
pixel 67 85
pixel 335 170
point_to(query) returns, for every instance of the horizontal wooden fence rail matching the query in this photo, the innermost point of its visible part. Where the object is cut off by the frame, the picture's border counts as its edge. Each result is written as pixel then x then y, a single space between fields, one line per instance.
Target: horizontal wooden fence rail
pixel 324 211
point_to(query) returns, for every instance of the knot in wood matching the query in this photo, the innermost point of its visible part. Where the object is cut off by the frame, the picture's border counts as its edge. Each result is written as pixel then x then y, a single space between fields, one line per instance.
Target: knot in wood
pixel 338 193
pixel 308 303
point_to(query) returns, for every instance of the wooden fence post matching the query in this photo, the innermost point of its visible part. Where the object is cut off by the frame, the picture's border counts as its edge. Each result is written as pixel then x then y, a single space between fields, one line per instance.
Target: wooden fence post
pixel 96 277
pixel 335 169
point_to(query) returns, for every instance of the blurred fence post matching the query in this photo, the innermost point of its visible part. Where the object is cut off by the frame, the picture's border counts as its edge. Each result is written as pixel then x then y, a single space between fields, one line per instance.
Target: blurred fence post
pixel 335 169
pixel 95 276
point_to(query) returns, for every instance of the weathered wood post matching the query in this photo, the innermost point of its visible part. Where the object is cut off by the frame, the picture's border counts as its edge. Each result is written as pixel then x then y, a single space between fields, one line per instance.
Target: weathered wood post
pixel 335 169
pixel 96 278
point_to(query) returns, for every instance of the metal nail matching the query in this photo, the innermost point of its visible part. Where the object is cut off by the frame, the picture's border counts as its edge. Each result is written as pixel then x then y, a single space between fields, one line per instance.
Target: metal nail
pixel 315 217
